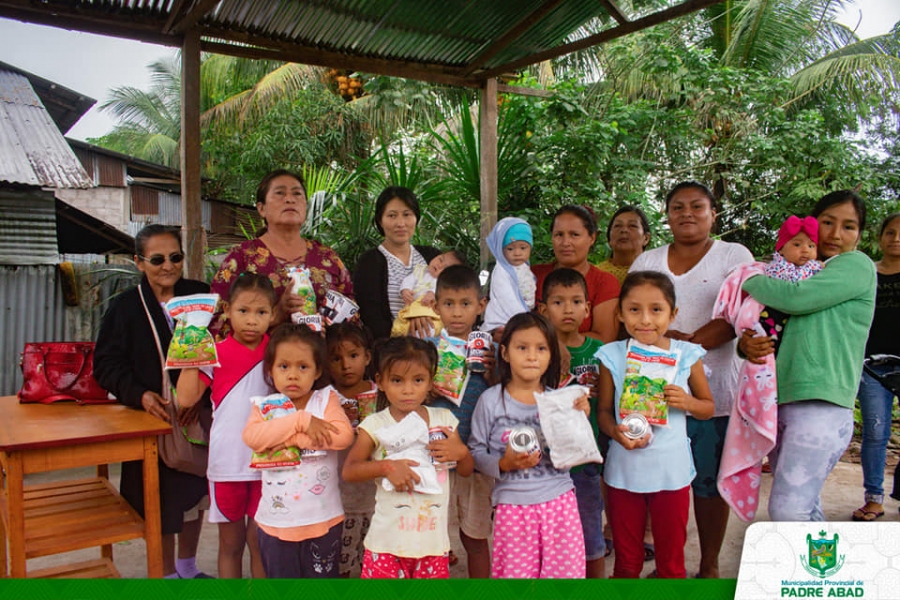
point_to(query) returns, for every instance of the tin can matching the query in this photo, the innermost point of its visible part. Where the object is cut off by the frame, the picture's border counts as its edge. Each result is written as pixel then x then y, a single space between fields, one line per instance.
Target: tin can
pixel 435 434
pixel 638 425
pixel 476 348
pixel 337 308
pixel 583 373
pixel 314 322
pixel 524 439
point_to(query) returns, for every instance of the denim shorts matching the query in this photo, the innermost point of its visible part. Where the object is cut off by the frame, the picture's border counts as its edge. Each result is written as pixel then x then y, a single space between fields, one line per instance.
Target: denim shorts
pixel 587 482
pixel 707 440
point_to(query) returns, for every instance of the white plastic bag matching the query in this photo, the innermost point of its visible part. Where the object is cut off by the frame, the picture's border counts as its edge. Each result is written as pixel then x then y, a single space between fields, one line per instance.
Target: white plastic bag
pixel 566 429
pixel 407 439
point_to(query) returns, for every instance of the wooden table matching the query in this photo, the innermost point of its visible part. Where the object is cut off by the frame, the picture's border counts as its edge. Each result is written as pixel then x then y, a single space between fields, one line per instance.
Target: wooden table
pixel 39 520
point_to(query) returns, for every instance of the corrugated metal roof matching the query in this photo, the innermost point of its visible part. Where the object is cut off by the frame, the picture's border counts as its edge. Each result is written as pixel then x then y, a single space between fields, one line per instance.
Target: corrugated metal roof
pixel 32 150
pixel 28 228
pixel 64 105
pixel 451 41
pixel 449 33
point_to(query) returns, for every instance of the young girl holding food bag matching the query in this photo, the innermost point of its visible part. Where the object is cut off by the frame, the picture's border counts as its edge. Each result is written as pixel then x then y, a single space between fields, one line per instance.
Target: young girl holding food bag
pixel 300 514
pixel 408 448
pixel 234 488
pixel 642 406
pixel 537 530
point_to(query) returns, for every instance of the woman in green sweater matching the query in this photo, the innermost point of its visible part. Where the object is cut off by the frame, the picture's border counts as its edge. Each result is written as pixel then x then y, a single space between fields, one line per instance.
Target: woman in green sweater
pixel 820 359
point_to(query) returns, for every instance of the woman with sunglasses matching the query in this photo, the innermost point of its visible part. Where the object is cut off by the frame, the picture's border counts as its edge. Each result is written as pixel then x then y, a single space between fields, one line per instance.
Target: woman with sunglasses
pixel 127 363
pixel 281 202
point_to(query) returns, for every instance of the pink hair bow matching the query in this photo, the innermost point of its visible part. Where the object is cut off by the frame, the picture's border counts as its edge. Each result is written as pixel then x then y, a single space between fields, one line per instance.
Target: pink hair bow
pixel 794 225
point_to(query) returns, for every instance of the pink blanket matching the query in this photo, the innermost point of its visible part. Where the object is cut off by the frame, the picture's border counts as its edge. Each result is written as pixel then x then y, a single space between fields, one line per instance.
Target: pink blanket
pixel 754 416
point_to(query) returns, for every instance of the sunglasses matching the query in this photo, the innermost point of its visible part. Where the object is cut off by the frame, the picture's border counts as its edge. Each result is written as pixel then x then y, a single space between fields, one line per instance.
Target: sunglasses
pixel 158 259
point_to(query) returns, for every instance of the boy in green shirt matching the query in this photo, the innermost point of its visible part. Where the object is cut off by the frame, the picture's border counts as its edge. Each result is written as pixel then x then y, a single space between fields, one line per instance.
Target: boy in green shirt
pixel 565 304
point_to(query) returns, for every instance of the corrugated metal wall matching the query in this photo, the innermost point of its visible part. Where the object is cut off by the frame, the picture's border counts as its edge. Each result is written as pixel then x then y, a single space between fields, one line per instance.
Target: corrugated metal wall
pixel 32 311
pixel 28 228
pixel 157 206
pixel 110 171
pixel 144 202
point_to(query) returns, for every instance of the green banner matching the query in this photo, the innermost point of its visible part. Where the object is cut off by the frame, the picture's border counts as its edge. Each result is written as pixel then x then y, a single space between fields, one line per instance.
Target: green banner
pixel 309 589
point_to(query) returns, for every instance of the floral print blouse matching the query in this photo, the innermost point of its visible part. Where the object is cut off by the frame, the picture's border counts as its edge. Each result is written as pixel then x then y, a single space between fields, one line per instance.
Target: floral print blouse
pixel 326 270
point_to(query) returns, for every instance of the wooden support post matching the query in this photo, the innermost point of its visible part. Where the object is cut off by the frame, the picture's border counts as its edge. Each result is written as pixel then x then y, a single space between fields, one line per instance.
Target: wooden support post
pixel 488 137
pixel 191 214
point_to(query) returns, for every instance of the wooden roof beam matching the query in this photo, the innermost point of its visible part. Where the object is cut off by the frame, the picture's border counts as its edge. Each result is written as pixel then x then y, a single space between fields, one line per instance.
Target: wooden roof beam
pixel 193 16
pixel 262 48
pixel 679 10
pixel 510 36
pixel 613 9
pixel 523 91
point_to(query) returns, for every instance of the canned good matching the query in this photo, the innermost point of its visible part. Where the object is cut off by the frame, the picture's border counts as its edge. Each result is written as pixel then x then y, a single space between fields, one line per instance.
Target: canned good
pixel 638 425
pixel 476 348
pixel 582 372
pixel 435 434
pixel 337 307
pixel 314 322
pixel 524 439
pixel 311 453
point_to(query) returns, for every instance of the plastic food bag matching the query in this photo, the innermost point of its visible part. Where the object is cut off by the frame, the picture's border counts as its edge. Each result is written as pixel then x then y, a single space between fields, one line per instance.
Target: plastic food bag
pixel 452 375
pixel 192 344
pixel 647 371
pixel 367 403
pixel 566 429
pixel 301 285
pixel 274 406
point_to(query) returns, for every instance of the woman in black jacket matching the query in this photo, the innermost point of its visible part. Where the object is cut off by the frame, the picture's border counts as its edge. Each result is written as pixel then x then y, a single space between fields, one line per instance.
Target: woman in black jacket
pixel 379 271
pixel 127 363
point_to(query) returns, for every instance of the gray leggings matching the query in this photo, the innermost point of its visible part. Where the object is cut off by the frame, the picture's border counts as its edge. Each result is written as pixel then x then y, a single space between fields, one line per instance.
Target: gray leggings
pixel 812 436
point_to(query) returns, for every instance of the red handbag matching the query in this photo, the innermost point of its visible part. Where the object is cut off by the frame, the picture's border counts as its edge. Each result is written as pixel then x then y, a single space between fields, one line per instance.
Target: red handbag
pixel 60 371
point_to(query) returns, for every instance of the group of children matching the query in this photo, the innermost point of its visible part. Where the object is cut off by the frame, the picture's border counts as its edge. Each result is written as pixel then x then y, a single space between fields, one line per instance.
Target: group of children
pixel 355 503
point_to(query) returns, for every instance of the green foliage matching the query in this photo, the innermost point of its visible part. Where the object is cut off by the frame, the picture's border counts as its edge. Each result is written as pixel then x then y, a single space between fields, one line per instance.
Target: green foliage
pixel 348 227
pixel 311 127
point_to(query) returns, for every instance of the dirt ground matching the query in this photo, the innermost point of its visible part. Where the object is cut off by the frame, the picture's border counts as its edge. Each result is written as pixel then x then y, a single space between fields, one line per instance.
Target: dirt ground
pixel 842 494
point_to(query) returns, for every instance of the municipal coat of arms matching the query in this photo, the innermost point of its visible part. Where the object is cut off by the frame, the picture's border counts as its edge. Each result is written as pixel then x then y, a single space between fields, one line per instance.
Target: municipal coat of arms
pixel 823 560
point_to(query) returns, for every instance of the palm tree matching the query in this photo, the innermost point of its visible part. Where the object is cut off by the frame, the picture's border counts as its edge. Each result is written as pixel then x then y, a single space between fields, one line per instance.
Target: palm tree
pixel 238 91
pixel 149 121
pixel 796 39
pixel 801 40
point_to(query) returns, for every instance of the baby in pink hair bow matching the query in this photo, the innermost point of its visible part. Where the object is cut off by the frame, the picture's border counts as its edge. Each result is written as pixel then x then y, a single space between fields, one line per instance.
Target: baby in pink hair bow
pixel 795 250
pixel 794 259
